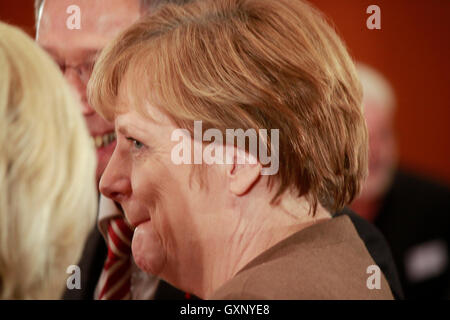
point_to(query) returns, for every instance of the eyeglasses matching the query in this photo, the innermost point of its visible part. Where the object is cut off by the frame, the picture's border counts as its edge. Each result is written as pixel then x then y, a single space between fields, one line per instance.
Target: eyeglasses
pixel 84 70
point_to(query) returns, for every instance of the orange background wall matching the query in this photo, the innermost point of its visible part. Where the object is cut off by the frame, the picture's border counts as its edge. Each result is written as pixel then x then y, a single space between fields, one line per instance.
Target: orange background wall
pixel 412 49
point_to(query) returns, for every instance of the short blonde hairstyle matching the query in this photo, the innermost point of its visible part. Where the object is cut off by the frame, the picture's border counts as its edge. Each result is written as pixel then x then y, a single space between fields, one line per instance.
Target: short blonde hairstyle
pixel 260 64
pixel 48 195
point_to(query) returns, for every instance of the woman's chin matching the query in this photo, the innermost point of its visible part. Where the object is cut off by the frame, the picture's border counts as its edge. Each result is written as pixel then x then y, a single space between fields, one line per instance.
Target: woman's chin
pixel 147 249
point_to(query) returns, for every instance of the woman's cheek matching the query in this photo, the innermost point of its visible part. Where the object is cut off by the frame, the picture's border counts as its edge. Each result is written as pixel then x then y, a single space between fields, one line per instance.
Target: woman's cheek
pixel 147 249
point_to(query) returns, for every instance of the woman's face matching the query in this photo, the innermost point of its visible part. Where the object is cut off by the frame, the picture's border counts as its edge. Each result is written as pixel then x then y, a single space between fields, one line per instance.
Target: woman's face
pixel 173 216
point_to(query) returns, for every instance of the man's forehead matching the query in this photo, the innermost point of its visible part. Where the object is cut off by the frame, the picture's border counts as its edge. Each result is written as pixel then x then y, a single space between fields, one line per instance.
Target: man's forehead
pixel 99 18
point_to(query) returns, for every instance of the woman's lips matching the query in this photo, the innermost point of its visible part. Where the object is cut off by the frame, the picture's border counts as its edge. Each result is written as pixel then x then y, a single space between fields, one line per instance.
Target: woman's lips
pixel 147 248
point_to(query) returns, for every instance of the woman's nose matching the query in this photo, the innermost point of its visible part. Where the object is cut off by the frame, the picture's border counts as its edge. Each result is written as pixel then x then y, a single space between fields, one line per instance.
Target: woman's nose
pixel 115 182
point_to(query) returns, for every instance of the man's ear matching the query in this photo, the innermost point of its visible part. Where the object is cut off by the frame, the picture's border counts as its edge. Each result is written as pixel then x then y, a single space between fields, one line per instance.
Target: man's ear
pixel 242 177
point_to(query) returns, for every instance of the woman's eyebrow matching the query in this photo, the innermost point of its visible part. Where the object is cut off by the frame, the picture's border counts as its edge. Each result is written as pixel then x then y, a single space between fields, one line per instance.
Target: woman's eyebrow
pixel 128 129
pixel 122 130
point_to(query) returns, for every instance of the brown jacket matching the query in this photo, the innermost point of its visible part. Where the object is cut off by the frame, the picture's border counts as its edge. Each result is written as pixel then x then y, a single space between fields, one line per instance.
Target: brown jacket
pixel 327 260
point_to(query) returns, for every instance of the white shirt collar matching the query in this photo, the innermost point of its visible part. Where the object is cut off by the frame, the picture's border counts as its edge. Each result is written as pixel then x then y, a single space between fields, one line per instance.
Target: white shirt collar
pixel 107 210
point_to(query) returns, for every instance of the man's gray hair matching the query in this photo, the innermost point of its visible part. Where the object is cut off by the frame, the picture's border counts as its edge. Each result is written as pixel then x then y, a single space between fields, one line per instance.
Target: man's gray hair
pixel 145 5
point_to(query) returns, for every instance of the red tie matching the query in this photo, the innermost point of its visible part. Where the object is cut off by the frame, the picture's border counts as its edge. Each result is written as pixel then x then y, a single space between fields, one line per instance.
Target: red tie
pixel 115 280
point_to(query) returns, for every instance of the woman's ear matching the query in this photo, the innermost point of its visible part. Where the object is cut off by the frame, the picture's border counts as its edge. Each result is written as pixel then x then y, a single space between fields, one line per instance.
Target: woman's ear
pixel 243 176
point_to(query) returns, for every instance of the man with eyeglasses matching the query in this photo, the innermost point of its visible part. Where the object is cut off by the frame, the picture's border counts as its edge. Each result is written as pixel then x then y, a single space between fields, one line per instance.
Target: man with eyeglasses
pixel 104 274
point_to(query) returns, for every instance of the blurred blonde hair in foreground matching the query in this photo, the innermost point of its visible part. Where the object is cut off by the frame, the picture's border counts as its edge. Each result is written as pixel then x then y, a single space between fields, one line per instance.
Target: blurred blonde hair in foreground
pixel 48 196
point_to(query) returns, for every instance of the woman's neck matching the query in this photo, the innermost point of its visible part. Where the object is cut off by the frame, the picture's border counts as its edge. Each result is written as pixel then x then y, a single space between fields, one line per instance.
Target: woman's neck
pixel 257 226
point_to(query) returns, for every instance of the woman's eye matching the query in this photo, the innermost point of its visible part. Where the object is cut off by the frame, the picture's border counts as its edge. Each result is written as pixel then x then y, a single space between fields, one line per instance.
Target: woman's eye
pixel 137 144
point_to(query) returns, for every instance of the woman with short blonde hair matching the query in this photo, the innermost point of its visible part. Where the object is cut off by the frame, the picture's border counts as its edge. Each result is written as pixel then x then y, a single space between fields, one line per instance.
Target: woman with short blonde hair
pixel 285 68
pixel 47 190
pixel 238 233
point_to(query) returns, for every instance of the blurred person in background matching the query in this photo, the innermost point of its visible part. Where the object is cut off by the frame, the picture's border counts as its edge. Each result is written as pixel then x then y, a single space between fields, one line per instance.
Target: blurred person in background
pixel 48 198
pixel 411 211
pixel 75 52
